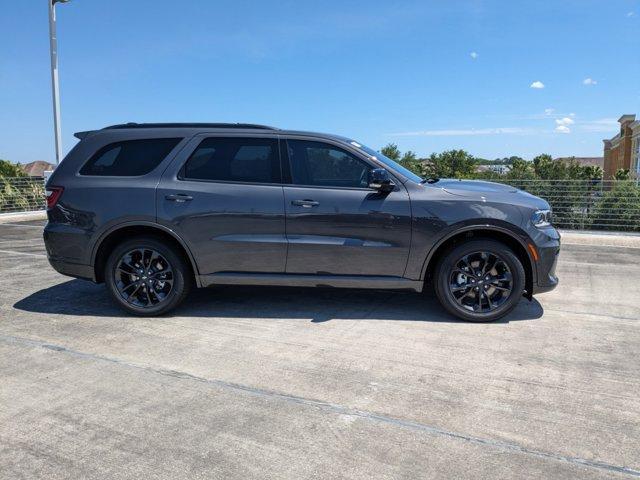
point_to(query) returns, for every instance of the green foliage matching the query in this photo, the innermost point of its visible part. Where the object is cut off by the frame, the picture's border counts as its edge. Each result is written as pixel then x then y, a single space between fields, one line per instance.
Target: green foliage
pixel 410 161
pixel 618 209
pixel 451 164
pixel 622 174
pixel 8 169
pixel 391 150
pixel 18 191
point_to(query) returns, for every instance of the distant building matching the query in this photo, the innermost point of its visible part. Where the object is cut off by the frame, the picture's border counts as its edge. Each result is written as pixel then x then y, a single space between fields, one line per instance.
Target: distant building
pixel 586 161
pixel 499 169
pixel 37 168
pixel 623 150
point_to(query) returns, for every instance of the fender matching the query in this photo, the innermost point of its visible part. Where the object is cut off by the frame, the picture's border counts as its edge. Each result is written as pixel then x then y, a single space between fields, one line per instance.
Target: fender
pixel 512 231
pixel 142 223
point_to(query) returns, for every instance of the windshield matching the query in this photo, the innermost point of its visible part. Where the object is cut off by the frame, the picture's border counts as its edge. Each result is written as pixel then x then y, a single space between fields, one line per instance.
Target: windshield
pixel 388 162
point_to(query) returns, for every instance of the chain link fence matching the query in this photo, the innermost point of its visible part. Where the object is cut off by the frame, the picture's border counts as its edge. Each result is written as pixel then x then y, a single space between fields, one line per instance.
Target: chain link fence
pixel 577 204
pixel 21 194
pixel 588 204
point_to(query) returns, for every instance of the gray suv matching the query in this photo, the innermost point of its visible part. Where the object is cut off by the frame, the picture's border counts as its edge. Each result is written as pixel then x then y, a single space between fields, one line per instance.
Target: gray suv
pixel 155 209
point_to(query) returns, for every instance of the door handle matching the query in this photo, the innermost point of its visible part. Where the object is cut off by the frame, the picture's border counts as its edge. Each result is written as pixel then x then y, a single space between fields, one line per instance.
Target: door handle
pixel 178 197
pixel 305 203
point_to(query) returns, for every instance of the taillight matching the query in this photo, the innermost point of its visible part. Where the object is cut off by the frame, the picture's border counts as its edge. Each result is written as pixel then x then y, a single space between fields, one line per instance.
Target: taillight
pixel 53 195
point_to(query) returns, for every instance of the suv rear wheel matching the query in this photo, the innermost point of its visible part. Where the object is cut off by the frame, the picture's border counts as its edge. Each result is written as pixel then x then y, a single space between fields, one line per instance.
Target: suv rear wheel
pixel 147 277
pixel 479 280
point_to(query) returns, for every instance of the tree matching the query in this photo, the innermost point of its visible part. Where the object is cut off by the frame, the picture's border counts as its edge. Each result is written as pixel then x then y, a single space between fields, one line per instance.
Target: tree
pixel 622 174
pixel 410 161
pixel 521 169
pixel 391 150
pixel 545 168
pixel 451 164
pixel 619 208
pixel 8 169
pixel 593 172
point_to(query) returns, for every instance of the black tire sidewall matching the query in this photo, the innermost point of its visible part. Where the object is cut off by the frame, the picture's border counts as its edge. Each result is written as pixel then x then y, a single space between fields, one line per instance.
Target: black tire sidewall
pixel 181 282
pixel 448 261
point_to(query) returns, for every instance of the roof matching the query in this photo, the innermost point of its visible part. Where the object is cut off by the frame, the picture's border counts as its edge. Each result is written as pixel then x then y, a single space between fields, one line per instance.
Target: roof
pixel 243 126
pixel 586 161
pixel 37 168
pixel 204 127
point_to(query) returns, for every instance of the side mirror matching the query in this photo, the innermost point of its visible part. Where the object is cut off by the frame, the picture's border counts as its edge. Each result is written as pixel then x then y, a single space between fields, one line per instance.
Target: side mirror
pixel 379 179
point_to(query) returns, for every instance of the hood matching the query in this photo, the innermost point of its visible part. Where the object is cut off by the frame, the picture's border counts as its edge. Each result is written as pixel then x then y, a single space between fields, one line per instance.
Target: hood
pixel 490 192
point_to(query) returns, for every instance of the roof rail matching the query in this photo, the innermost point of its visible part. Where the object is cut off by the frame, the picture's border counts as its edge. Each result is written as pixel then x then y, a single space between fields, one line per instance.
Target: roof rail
pixel 190 125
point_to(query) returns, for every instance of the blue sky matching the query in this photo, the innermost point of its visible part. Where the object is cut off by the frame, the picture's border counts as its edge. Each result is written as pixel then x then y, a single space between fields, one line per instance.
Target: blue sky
pixel 429 75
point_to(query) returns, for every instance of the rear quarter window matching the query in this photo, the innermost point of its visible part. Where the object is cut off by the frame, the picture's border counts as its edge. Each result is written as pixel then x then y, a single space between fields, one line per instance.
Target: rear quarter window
pixel 129 158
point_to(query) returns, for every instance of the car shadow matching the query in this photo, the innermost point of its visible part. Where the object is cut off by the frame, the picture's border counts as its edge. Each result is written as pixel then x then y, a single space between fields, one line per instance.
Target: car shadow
pixel 79 297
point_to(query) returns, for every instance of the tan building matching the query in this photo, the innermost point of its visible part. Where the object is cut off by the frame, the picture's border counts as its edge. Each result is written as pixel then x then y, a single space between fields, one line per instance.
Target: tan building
pixel 623 150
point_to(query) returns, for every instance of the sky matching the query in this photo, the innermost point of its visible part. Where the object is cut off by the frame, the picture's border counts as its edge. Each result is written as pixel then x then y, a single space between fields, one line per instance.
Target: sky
pixel 494 77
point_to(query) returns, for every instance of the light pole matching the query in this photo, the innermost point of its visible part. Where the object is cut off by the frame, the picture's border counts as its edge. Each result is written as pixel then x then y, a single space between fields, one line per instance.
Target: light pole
pixel 53 46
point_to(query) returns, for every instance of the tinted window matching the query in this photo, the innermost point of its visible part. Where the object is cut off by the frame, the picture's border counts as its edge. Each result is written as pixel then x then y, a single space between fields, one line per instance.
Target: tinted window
pixel 317 163
pixel 248 160
pixel 129 158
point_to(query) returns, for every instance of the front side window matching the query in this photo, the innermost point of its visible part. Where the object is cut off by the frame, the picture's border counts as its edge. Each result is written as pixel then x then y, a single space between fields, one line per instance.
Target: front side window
pixel 129 158
pixel 321 164
pixel 247 160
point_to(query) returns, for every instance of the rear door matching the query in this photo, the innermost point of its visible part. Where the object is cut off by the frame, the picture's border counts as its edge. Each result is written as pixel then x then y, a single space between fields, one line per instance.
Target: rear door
pixel 335 223
pixel 223 196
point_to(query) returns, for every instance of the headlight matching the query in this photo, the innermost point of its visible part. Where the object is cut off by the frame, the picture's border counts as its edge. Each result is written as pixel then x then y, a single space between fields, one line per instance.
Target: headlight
pixel 541 218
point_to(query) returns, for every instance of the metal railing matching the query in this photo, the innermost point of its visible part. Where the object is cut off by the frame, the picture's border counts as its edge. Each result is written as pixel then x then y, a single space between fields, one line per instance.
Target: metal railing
pixel 21 194
pixel 588 204
pixel 577 204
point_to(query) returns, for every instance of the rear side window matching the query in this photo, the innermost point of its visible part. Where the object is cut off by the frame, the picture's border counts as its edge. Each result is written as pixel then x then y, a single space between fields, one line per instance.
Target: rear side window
pixel 246 160
pixel 130 158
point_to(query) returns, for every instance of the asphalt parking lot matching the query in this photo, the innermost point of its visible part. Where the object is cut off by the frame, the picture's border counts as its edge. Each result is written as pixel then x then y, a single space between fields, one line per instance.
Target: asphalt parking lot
pixel 303 383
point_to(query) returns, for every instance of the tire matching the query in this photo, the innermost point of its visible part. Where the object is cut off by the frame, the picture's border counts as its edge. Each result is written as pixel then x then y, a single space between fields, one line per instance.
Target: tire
pixel 167 286
pixel 486 297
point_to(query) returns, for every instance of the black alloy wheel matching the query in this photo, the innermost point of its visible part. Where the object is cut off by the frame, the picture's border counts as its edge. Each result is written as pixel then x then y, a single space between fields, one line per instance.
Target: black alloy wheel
pixel 479 280
pixel 144 278
pixel 147 276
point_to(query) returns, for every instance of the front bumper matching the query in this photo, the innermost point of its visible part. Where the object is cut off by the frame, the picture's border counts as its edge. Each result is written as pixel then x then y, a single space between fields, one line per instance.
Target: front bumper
pixel 548 248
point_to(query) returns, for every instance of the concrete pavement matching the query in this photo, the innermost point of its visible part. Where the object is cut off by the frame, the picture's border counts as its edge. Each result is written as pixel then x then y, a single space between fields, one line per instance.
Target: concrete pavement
pixel 304 383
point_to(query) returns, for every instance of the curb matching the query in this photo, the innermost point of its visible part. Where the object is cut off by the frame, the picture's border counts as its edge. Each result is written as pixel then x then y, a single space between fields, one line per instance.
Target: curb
pixel 600 239
pixel 22 216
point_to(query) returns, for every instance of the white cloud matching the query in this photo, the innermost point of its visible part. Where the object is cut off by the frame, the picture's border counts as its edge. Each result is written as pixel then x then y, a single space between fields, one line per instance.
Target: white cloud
pixel 563 129
pixel 603 125
pixel 589 81
pixel 537 85
pixel 474 55
pixel 564 122
pixel 549 111
pixel 631 14
pixel 465 132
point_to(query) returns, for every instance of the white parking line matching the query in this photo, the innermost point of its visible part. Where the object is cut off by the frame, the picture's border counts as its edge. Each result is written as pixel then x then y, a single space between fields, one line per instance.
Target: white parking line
pixel 41 227
pixel 12 252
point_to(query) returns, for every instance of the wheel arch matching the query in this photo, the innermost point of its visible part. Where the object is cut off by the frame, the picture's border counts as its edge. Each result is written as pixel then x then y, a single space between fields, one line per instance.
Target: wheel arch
pixel 493 232
pixel 117 234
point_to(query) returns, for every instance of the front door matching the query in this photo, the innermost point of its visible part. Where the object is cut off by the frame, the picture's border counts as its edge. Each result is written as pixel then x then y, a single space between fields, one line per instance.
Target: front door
pixel 224 197
pixel 335 223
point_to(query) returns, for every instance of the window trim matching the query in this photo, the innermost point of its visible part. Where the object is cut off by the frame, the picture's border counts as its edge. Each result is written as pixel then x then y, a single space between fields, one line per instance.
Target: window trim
pixel 337 145
pixel 168 158
pixel 205 136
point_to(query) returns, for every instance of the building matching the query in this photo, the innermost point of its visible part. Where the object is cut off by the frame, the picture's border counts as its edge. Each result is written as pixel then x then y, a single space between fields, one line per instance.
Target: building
pixel 37 168
pixel 623 150
pixel 499 169
pixel 585 161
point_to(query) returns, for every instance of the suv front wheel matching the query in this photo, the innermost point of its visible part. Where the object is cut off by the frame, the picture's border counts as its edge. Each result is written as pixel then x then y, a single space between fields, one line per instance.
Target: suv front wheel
pixel 479 280
pixel 147 277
